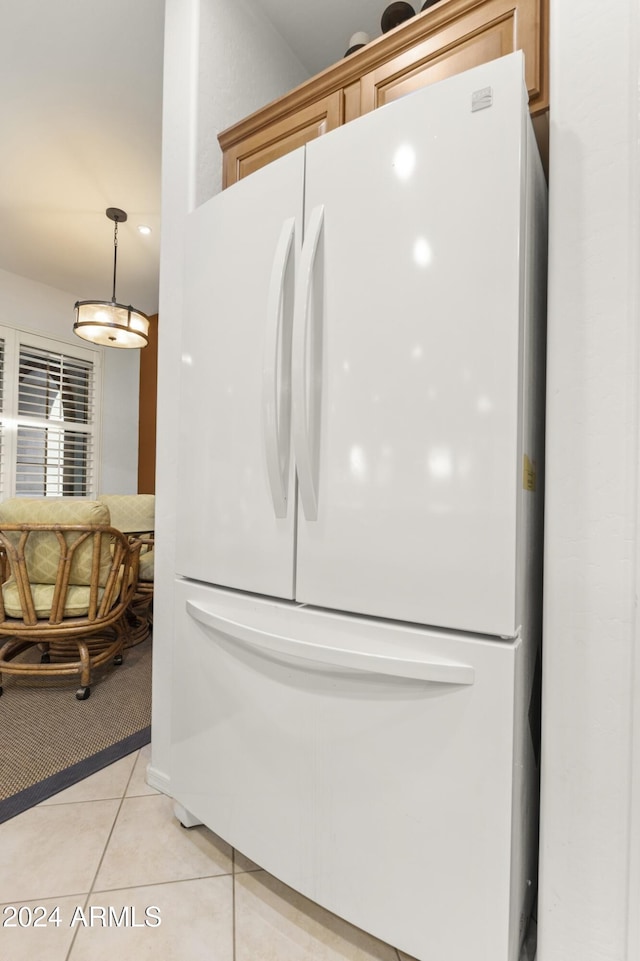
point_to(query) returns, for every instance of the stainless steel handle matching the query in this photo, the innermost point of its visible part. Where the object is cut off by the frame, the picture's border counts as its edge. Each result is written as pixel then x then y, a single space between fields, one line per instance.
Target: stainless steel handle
pixel 433 670
pixel 304 433
pixel 276 389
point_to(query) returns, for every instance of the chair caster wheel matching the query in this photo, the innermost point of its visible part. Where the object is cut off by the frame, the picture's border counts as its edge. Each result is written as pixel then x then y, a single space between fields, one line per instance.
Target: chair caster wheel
pixel 118 659
pixel 83 693
pixel 45 658
pixel 0 692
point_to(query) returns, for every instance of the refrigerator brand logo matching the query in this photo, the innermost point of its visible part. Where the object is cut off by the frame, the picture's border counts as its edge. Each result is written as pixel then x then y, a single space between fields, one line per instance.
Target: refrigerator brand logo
pixel 481 99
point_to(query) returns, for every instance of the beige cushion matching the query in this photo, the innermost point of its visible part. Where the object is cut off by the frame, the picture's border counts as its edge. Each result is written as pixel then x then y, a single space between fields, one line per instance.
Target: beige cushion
pixel 145 571
pixel 131 513
pixel 76 601
pixel 42 551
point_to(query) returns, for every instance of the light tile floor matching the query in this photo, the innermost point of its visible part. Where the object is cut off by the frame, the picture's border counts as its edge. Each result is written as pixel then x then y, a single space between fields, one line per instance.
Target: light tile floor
pixel 109 849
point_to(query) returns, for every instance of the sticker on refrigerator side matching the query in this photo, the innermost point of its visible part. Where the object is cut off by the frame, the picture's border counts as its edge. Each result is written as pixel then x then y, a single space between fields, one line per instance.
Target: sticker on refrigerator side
pixel 529 474
pixel 480 99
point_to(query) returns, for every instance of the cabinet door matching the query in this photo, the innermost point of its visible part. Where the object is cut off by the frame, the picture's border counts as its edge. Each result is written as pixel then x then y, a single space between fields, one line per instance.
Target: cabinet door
pixel 236 489
pixel 478 35
pixel 279 138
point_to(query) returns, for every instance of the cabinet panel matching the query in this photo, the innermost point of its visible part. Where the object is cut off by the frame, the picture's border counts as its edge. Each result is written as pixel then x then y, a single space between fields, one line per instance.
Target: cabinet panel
pixel 352 108
pixel 277 139
pixel 421 66
pixel 484 33
pixel 446 39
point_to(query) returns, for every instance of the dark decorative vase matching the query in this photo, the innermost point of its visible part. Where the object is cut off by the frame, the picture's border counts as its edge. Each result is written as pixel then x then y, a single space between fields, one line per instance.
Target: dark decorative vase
pixel 395 14
pixel 427 4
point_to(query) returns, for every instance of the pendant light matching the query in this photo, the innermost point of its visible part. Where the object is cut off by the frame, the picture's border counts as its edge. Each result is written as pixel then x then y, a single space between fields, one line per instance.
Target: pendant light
pixel 105 321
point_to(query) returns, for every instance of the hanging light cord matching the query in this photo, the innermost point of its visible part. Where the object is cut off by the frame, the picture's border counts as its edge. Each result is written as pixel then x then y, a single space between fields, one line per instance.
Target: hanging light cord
pixel 115 257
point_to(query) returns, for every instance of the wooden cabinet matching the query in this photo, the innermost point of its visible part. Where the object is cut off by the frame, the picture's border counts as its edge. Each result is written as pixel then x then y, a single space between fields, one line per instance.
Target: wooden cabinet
pixel 275 139
pixel 446 39
pixel 480 33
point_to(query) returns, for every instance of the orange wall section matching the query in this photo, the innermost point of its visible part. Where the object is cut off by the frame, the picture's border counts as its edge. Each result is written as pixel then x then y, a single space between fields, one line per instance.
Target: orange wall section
pixel 147 411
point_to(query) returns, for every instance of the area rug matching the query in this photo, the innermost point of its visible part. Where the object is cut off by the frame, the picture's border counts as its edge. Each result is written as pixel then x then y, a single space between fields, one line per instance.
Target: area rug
pixel 49 740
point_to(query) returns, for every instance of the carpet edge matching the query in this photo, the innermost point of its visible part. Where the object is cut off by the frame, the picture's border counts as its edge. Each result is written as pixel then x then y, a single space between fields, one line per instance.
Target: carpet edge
pixel 12 806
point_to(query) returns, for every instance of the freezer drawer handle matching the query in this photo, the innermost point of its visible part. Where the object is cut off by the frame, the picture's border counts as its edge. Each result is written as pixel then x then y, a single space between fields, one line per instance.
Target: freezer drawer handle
pixel 433 670
pixel 276 390
pixel 305 411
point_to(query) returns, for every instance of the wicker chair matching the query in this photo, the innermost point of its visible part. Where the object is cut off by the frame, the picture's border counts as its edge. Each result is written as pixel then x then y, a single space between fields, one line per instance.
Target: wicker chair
pixel 134 515
pixel 71 577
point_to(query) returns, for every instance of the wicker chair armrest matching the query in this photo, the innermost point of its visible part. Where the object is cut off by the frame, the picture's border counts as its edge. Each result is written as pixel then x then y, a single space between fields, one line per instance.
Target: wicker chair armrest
pixel 126 561
pixel 145 539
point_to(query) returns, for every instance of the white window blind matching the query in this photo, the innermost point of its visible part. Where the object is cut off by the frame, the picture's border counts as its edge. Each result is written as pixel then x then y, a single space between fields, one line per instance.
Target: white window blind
pixel 48 422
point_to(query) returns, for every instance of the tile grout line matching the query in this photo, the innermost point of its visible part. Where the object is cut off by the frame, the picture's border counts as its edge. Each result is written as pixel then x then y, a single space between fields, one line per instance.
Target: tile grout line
pixel 158 884
pixel 110 835
pixel 104 851
pixel 122 800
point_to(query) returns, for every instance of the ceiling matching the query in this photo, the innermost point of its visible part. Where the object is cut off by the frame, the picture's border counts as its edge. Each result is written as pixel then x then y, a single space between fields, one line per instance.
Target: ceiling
pixel 80 117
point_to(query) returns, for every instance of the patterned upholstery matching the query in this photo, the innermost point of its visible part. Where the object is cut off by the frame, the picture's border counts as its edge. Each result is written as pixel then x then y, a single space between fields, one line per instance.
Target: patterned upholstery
pixel 134 514
pixel 131 513
pixel 76 599
pixel 145 571
pixel 42 551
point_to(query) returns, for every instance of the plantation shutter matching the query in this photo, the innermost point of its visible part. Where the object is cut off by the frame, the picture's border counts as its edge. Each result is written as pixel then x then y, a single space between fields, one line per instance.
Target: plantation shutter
pixel 54 448
pixel 49 417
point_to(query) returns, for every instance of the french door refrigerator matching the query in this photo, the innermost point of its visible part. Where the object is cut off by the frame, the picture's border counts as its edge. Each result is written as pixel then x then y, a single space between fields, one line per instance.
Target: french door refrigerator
pixel 357 621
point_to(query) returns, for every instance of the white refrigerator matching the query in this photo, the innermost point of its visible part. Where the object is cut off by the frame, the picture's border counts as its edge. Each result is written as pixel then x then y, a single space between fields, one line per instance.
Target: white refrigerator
pixel 354 700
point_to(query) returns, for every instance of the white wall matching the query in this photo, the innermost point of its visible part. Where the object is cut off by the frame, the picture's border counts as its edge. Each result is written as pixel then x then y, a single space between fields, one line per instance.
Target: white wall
pixel 28 305
pixel 222 61
pixel 243 64
pixel 589 892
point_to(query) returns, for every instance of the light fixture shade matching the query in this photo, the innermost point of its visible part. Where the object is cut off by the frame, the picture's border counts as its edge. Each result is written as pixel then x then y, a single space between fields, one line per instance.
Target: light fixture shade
pixel 107 322
pixel 110 324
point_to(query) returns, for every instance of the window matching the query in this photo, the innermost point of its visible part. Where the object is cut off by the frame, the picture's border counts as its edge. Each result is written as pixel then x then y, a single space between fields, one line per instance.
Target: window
pixel 48 422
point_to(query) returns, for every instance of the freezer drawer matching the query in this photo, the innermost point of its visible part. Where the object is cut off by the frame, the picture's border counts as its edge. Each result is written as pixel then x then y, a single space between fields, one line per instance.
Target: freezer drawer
pixel 373 766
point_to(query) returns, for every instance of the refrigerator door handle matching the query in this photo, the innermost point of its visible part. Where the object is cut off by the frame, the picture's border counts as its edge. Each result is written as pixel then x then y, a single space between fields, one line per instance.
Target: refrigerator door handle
pixel 433 670
pixel 276 389
pixel 305 427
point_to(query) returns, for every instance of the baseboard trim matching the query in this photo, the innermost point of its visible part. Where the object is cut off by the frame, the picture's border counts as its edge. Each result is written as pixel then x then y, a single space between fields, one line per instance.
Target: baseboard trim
pixel 158 780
